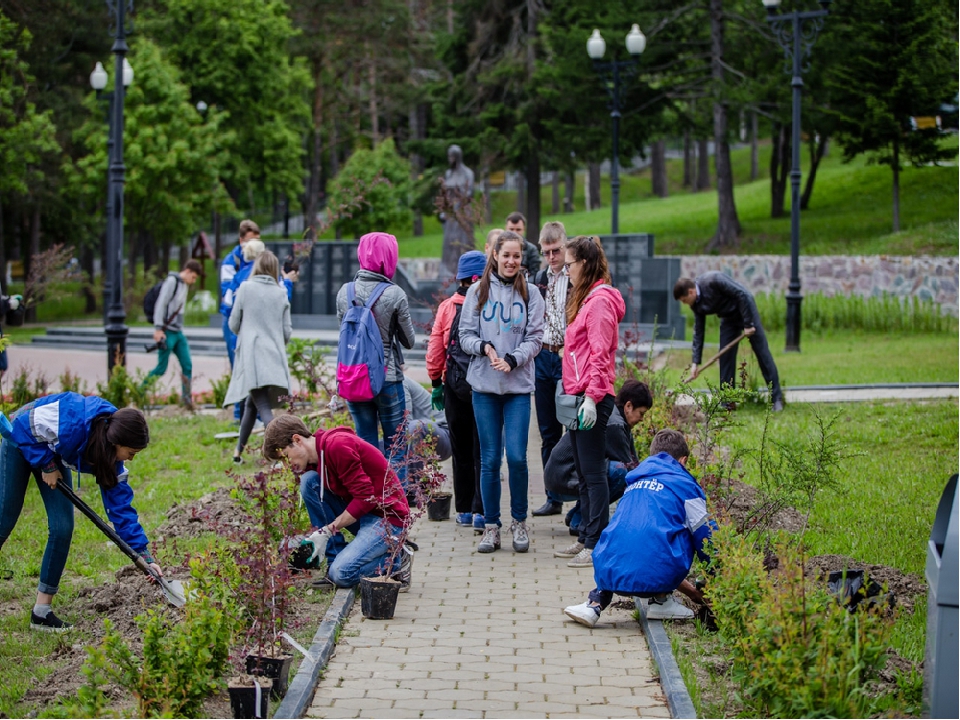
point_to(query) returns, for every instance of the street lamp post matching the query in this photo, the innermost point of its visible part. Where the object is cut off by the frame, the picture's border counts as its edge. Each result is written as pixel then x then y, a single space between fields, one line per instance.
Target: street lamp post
pixel 614 73
pixel 115 323
pixel 795 32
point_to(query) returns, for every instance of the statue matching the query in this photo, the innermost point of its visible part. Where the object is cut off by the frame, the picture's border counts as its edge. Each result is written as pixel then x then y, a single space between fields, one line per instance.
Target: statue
pixel 456 213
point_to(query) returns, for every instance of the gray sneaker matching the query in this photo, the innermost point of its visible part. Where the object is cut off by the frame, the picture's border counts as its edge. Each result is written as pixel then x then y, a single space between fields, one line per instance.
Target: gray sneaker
pixel 521 540
pixel 570 551
pixel 582 559
pixel 490 540
pixel 406 568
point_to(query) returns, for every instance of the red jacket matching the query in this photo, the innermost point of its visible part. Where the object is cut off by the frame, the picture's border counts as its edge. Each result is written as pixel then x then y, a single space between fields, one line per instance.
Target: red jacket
pixel 357 472
pixel 590 344
pixel 440 336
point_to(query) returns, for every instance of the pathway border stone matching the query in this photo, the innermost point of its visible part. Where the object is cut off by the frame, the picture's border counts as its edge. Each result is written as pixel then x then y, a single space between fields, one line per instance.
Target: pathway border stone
pixel 671 680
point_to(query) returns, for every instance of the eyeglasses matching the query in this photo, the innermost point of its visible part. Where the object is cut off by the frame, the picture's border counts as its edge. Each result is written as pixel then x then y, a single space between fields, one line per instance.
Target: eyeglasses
pixel 566 266
pixel 551 252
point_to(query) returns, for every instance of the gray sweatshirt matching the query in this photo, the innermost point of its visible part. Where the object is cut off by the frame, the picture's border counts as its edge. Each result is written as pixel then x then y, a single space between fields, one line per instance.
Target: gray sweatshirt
pixel 173 297
pixel 512 327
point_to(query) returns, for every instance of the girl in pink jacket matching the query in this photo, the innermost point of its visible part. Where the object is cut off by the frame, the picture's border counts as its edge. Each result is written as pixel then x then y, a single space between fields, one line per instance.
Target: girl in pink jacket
pixel 594 312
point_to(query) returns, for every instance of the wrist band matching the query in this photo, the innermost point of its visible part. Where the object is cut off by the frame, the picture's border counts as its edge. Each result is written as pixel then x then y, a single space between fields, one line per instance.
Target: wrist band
pixel 145 554
pixel 51 467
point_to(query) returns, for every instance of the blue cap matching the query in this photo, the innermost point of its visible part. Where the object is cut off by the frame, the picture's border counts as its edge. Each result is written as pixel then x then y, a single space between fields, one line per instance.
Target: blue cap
pixel 471 265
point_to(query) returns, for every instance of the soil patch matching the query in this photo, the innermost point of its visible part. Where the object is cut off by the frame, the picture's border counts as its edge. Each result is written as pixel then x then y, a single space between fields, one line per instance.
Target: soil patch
pixel 212 511
pixel 906 587
pixel 738 503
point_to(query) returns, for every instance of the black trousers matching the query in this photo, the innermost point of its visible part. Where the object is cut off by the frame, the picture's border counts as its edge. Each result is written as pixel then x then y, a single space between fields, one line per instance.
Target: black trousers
pixel 730 328
pixel 465 443
pixel 590 460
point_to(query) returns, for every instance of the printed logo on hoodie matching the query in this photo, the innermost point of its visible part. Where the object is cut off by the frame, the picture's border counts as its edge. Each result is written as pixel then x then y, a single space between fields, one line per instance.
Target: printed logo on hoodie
pixel 514 322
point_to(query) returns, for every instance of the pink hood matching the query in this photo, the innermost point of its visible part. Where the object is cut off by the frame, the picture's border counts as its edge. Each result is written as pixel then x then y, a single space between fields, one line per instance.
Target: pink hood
pixel 590 344
pixel 378 252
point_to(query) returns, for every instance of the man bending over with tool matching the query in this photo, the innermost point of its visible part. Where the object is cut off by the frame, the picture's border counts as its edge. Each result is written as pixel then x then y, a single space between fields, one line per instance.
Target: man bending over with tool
pixel 345 483
pixel 714 293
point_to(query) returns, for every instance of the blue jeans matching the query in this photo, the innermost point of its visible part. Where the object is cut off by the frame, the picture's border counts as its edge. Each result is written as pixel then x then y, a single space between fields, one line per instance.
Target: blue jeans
pixel 373 537
pixel 549 367
pixel 14 478
pixel 385 410
pixel 502 418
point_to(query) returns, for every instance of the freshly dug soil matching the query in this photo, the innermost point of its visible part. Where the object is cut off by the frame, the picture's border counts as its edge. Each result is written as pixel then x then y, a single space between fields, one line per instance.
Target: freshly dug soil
pixel 905 587
pixel 737 501
pixel 212 511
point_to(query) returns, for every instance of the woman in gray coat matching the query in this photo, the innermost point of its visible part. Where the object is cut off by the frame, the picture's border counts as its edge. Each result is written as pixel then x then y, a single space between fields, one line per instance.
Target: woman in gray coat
pixel 261 321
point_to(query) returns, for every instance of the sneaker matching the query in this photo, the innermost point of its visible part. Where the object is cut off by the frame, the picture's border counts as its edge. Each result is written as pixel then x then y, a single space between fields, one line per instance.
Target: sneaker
pixel 465 519
pixel 51 623
pixel 521 540
pixel 584 613
pixel 490 540
pixel 405 572
pixel 569 552
pixel 479 523
pixel 667 609
pixel 582 559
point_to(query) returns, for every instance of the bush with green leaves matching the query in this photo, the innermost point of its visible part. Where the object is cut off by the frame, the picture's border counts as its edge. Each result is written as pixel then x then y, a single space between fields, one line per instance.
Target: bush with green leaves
pixel 796 651
pixel 380 180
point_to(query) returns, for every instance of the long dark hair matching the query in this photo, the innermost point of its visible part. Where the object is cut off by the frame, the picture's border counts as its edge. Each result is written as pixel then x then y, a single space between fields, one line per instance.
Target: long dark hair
pixel 520 282
pixel 126 427
pixel 588 249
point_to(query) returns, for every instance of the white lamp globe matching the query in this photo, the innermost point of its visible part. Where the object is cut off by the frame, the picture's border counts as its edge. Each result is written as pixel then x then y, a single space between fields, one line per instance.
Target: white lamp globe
pixel 636 41
pixel 127 73
pixel 596 46
pixel 98 78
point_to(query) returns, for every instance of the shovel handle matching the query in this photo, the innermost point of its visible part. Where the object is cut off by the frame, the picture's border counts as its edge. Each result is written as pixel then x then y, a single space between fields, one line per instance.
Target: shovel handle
pixel 723 350
pixel 105 528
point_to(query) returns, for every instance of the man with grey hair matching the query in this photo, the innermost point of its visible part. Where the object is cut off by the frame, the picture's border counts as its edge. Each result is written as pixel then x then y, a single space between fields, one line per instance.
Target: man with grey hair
pixel 553 284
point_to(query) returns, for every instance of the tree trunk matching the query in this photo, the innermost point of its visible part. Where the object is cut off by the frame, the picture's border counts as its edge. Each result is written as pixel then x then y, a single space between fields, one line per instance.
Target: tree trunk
pixel 533 194
pixel 31 314
pixel 594 171
pixel 3 254
pixel 165 256
pixel 754 147
pixel 86 264
pixel 703 164
pixel 570 181
pixel 449 17
pixel 895 166
pixel 555 197
pixel 417 115
pixel 658 168
pixel 136 238
pixel 313 186
pixel 334 147
pixel 817 151
pixel 217 238
pixel 487 209
pixel 779 169
pixel 374 112
pixel 687 160
pixel 521 193
pixel 728 224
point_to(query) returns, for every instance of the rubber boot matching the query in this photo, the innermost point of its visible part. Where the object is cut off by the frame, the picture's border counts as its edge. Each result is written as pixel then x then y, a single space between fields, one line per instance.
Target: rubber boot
pixel 186 392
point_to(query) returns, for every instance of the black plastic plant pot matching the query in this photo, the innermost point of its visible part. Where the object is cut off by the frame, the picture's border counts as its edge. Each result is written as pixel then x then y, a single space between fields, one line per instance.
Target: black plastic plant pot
pixel 15 317
pixel 378 598
pixel 243 700
pixel 274 668
pixel 439 507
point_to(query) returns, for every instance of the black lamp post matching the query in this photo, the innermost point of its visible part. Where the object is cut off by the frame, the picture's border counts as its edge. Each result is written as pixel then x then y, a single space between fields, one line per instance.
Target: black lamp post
pixel 795 33
pixel 613 73
pixel 115 322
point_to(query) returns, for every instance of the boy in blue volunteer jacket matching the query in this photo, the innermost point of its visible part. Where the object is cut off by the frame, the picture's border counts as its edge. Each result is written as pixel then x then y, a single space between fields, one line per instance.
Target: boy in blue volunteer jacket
pixel 648 547
pixel 47 439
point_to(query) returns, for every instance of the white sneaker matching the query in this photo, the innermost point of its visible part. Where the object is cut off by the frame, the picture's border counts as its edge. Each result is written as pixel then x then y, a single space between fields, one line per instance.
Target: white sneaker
pixel 582 559
pixel 668 609
pixel 490 540
pixel 584 613
pixel 569 551
pixel 521 540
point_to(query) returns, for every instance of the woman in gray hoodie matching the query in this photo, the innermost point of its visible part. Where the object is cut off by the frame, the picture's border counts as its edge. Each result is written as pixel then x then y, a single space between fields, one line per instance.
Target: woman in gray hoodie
pixel 501 325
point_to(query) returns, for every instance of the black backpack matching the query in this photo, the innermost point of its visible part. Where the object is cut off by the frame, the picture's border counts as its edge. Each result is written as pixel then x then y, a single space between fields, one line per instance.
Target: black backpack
pixel 458 362
pixel 150 299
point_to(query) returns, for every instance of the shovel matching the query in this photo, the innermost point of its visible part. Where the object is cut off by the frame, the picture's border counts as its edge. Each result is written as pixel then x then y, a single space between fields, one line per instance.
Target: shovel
pixel 732 344
pixel 172 589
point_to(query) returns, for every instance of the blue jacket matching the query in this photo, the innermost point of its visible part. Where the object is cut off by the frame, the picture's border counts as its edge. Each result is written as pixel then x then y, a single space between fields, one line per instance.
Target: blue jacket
pixel 659 523
pixel 58 426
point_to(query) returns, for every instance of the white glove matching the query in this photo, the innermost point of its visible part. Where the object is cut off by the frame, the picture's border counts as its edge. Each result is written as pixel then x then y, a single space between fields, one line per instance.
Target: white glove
pixel 319 539
pixel 588 414
pixel 15 302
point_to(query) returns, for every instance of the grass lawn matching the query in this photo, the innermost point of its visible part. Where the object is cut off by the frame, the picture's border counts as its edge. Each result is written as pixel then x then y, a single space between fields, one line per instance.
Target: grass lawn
pixel 182 463
pixel 850 212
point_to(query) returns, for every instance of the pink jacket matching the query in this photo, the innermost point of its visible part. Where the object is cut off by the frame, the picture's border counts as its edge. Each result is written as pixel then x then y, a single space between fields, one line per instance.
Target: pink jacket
pixel 590 344
pixel 440 337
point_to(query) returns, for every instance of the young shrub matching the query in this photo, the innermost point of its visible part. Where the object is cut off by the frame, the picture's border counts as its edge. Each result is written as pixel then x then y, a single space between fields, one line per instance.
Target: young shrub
pixel 71 383
pixel 220 387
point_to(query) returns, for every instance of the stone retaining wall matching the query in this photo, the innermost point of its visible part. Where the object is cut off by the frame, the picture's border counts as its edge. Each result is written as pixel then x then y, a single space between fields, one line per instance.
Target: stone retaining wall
pixel 928 278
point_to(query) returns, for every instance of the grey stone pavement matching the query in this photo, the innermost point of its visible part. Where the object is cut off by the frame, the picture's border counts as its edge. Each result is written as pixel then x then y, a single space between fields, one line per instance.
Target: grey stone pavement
pixel 484 636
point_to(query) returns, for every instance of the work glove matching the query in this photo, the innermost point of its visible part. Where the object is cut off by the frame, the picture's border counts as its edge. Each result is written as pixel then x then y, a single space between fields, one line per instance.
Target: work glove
pixel 436 398
pixel 15 301
pixel 588 413
pixel 319 540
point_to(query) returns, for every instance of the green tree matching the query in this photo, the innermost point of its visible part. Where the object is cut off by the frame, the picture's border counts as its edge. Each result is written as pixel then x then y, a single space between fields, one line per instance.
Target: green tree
pixel 174 157
pixel 234 55
pixel 899 63
pixel 380 179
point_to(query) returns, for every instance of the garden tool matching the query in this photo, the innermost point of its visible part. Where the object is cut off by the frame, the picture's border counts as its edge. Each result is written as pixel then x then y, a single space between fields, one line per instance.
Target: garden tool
pixel 172 589
pixel 729 346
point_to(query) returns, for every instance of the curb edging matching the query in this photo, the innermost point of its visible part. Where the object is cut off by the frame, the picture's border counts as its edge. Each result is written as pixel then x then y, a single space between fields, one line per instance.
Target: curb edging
pixel 678 698
pixel 300 693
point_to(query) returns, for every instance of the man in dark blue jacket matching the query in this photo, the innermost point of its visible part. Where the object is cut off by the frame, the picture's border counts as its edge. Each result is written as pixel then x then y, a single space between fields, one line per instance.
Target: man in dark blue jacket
pixel 648 547
pixel 714 293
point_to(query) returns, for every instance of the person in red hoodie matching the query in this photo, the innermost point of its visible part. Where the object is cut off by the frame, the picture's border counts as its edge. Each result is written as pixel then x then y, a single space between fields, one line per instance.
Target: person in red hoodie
pixel 345 483
pixel 594 312
pixel 447 365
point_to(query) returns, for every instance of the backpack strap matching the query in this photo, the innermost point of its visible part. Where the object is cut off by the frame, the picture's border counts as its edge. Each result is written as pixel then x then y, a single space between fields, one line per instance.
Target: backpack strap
pixel 375 295
pixel 169 318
